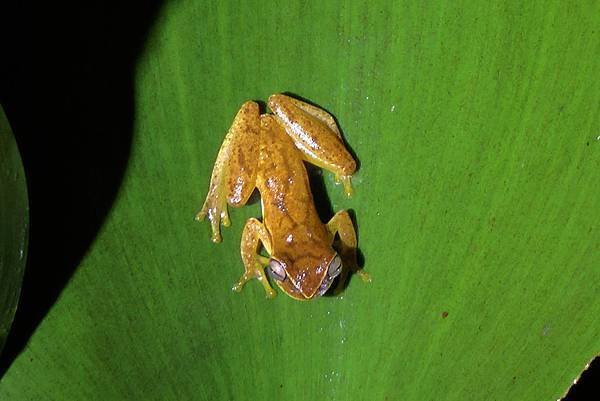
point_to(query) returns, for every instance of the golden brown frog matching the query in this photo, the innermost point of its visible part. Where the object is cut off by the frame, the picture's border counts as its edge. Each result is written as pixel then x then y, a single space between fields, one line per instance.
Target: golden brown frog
pixel 267 152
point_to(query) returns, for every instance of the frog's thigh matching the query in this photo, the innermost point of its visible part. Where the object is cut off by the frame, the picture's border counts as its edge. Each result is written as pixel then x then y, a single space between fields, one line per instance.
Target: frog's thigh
pixel 253 235
pixel 242 163
pixel 318 113
pixel 342 225
pixel 316 135
pixel 234 173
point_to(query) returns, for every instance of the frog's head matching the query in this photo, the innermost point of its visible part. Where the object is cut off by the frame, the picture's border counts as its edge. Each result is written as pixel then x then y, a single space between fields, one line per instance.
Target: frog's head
pixel 305 277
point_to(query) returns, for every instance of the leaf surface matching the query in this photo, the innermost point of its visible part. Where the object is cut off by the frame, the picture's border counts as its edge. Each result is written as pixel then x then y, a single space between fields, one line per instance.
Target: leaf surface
pixel 477 204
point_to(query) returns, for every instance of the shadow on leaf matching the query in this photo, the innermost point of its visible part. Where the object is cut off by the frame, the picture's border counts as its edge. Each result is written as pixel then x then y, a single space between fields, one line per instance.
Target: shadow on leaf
pixel 69 94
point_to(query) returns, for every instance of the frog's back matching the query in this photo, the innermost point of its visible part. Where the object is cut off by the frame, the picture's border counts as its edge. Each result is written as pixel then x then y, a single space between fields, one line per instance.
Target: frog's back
pixel 288 208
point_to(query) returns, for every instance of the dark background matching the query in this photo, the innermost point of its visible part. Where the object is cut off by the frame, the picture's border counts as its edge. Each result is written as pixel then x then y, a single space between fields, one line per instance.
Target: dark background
pixel 66 84
pixel 67 89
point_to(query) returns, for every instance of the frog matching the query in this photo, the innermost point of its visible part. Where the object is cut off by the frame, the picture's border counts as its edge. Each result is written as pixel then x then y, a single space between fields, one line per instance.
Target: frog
pixel 267 152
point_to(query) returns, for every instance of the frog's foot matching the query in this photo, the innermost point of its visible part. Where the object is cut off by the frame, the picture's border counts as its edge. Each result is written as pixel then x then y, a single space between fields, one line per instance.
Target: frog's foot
pixel 216 211
pixel 346 181
pixel 234 173
pixel 253 235
pixel 364 276
pixel 257 272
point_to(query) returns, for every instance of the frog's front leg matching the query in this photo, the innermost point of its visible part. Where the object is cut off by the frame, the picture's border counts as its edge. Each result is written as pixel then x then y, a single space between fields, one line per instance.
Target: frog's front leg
pixel 341 224
pixel 316 135
pixel 234 173
pixel 253 235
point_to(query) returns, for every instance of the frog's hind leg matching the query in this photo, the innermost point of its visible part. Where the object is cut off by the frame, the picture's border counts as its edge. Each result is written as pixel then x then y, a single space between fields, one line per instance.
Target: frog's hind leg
pixel 234 173
pixel 255 233
pixel 316 135
pixel 341 224
pixel 314 111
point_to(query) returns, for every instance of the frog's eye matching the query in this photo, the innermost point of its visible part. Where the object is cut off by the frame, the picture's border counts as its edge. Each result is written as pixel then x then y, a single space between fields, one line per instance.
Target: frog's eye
pixel 335 267
pixel 276 270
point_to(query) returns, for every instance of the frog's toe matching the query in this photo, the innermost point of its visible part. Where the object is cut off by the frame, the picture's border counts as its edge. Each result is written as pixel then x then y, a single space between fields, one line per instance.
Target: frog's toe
pixel 200 215
pixel 270 293
pixel 215 225
pixel 259 274
pixel 216 237
pixel 346 181
pixel 365 277
pixel 239 286
pixel 225 218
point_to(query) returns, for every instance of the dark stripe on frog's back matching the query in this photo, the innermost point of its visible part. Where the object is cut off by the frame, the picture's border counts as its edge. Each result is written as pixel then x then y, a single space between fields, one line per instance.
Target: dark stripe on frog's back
pixel 283 184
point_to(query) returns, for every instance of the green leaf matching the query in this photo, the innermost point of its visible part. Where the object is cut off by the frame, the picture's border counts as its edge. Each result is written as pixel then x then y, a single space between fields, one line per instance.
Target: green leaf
pixel 477 204
pixel 14 227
